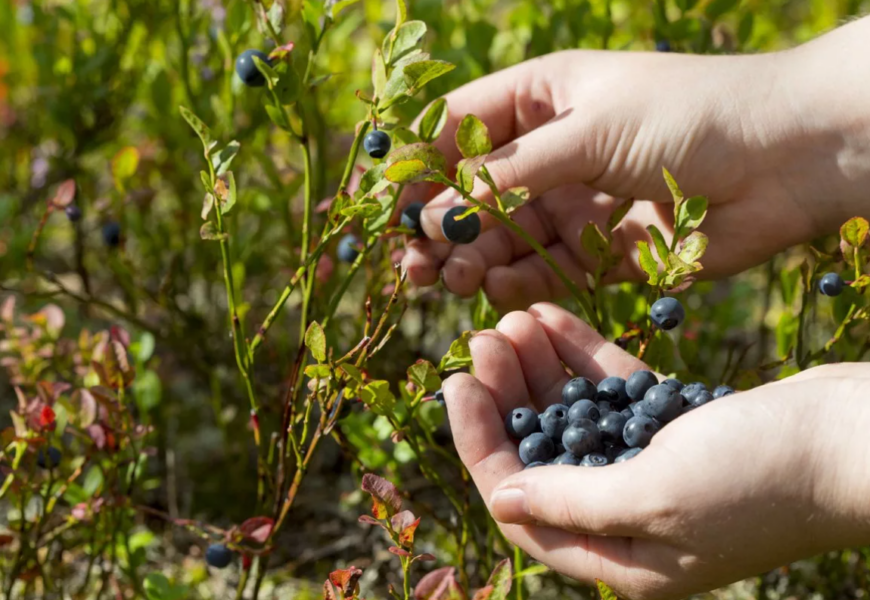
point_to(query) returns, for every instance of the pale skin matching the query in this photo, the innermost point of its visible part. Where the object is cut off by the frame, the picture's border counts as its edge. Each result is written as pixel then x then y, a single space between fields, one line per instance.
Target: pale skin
pixel 780 143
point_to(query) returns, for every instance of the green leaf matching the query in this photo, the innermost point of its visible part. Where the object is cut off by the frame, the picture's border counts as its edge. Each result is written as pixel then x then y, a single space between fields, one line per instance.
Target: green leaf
pixel 786 333
pixel 418 74
pixel 289 86
pixel 317 371
pixel 145 348
pixel 372 177
pixel 854 231
pixel 514 198
pixel 648 263
pixel 424 376
pixel 618 214
pixel 433 121
pixel 378 397
pixel 157 586
pixel 690 215
pixel 124 165
pixel 693 247
pixel 466 171
pixel 277 116
pixel 379 74
pixel 407 171
pixel 209 231
pixel 459 354
pixel 401 13
pixel 428 154
pixel 268 72
pixel 397 86
pixel 315 340
pixel 148 390
pixel 222 160
pixel 717 8
pixel 402 136
pixel 339 6
pixel 536 569
pixel 230 202
pixel 352 372
pixel 199 128
pixel 593 241
pixel 676 192
pixel 744 29
pixel 472 137
pixel 605 591
pixel 501 580
pixel 404 39
pixel 660 244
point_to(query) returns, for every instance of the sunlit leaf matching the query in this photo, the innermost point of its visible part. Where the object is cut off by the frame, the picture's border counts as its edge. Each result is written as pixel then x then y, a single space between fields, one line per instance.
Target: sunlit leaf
pixel 433 121
pixel 315 340
pixel 472 137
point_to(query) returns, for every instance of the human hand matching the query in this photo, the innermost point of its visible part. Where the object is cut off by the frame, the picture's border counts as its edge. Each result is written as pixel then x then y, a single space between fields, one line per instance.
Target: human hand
pixel 582 129
pixel 736 487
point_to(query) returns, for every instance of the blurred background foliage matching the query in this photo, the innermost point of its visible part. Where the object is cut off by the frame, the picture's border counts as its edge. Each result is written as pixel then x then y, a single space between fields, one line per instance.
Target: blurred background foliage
pixel 90 89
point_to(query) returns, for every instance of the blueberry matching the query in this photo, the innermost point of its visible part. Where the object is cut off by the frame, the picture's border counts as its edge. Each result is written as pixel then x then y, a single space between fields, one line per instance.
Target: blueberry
pixel 537 463
pixel 439 397
pixel 48 459
pixel 411 218
pixel 554 420
pixel 628 454
pixel 638 383
pixel 594 459
pixel 628 412
pixel 611 450
pixel 612 389
pixel 674 383
pixel 348 248
pixel 667 313
pixel 639 431
pixel 112 234
pixel 73 212
pixel 604 407
pixel 578 388
pixel 521 422
pixel 536 448
pixel 463 231
pixel 566 458
pixel 831 284
pixel 584 409
pixel 218 556
pixel 687 409
pixel 611 426
pixel 663 46
pixel 640 409
pixel 722 390
pixel 663 402
pixel 701 398
pixel 691 390
pixel 377 144
pixel 582 438
pixel 248 71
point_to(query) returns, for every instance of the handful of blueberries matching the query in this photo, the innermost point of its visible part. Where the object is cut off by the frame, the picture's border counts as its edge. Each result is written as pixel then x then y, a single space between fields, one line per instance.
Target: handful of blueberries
pixel 609 423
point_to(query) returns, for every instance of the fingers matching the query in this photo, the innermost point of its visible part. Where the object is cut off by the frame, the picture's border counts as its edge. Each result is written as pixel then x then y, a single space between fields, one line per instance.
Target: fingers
pixel 581 347
pixel 498 368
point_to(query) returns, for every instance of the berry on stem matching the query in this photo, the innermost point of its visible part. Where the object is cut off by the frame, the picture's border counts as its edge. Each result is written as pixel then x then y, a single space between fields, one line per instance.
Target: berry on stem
pixel 411 218
pixel 348 248
pixel 73 212
pixel 248 71
pixel 667 313
pixel 218 556
pixel 463 231
pixel 831 284
pixel 112 234
pixel 48 459
pixel 377 143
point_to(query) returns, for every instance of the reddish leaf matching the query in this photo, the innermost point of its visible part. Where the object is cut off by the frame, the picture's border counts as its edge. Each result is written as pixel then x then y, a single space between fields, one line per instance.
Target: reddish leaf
pixel 346 579
pixel 47 417
pixel 398 551
pixel 119 334
pixel 455 591
pixel 501 579
pixel 247 561
pixel 434 585
pixel 426 557
pixel 484 593
pixel 98 435
pixel 406 537
pixel 329 591
pixel 87 407
pixel 5 540
pixel 385 496
pixel 282 52
pixel 257 529
pixel 65 194
pixel 402 519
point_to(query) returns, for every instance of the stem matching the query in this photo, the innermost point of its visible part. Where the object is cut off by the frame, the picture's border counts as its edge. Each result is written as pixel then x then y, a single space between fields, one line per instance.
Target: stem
pixel 306 235
pixel 351 160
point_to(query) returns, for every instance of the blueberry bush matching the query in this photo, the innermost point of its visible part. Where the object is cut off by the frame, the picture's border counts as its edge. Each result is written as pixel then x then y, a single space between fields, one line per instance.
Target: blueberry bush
pixel 210 356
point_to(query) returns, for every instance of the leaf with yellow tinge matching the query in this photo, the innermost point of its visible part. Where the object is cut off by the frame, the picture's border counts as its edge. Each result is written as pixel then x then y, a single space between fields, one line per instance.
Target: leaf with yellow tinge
pixel 315 340
pixel 124 165
pixel 605 591
pixel 472 137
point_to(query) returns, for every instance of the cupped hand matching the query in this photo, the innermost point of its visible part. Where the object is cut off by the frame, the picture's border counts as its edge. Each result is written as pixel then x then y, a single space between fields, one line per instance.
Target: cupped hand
pixel 734 488
pixel 585 129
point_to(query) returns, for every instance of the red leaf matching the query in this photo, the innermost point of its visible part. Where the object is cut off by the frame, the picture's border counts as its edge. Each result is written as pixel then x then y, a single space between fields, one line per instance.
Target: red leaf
pixel 434 585
pixel 455 591
pixel 371 521
pixel 484 593
pixel 406 537
pixel 346 579
pixel 329 591
pixel 257 529
pixel 65 194
pixel 398 551
pixel 385 496
pixel 401 520
pixel 47 417
pixel 283 51
pixel 98 435
pixel 426 557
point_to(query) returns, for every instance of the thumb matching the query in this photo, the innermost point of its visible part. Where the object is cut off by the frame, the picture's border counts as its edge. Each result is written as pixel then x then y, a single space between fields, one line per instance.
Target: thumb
pixel 613 500
pixel 547 157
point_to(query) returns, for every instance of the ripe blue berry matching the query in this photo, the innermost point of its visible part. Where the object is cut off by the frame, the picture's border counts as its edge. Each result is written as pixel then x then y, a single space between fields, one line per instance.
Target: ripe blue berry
pixel 628 412
pixel 48 459
pixel 377 144
pixel 691 390
pixel 611 450
pixel 831 284
pixel 674 383
pixel 521 423
pixel 638 383
pixel 640 409
pixel 612 389
pixel 536 448
pixel 594 459
pixel 582 438
pixel 439 397
pixel 577 389
pixel 73 212
pixel 611 426
pixel 411 218
pixel 248 71
pixel 701 398
pixel 566 458
pixel 628 454
pixel 218 556
pixel 604 407
pixel 554 420
pixel 584 409
pixel 639 431
pixel 112 234
pixel 667 313
pixel 348 248
pixel 537 463
pixel 463 231
pixel 663 46
pixel 722 390
pixel 663 402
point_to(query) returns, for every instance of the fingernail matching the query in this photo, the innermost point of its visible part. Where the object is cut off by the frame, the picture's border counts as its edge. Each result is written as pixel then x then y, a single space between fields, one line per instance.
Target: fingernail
pixel 510 506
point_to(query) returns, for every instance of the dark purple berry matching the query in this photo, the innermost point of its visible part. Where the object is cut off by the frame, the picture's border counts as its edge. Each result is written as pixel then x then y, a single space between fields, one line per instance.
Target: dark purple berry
pixel 701 398
pixel 691 390
pixel 348 248
pixel 218 556
pixel 566 458
pixel 612 389
pixel 247 70
pixel 377 144
pixel 577 389
pixel 463 231
pixel 639 431
pixel 667 313
pixel 554 420
pixel 722 390
pixel 537 463
pixel 411 218
pixel 674 383
pixel 663 402
pixel 112 234
pixel 521 423
pixel 594 459
pixel 611 426
pixel 638 383
pixel 536 448
pixel 582 438
pixel 48 459
pixel 584 409
pixel 73 212
pixel 831 284
pixel 628 454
